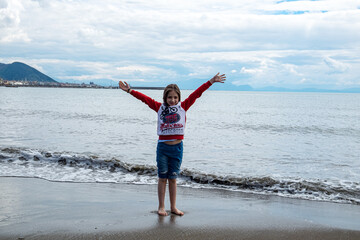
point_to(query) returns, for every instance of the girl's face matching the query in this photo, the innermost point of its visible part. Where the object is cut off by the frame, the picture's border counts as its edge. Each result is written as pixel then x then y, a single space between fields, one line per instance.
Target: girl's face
pixel 172 98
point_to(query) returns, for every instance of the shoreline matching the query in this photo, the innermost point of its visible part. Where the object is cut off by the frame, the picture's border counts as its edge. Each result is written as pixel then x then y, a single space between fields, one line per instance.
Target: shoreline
pixel 86 86
pixel 38 209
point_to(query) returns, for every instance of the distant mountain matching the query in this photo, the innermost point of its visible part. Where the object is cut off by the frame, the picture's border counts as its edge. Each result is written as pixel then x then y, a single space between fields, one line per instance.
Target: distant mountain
pixel 22 72
pixel 231 87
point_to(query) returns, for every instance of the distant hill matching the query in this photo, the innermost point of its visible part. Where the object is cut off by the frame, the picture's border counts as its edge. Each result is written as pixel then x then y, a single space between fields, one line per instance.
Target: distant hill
pixel 22 72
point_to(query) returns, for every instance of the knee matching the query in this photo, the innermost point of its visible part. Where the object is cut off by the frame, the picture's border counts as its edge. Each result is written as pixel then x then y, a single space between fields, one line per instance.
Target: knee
pixel 162 180
pixel 172 181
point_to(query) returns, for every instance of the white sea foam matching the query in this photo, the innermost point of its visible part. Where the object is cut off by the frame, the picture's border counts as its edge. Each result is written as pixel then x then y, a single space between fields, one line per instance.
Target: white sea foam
pixel 67 167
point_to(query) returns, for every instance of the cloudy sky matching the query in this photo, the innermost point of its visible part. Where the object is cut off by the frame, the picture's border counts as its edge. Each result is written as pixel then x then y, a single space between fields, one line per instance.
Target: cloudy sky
pixel 293 44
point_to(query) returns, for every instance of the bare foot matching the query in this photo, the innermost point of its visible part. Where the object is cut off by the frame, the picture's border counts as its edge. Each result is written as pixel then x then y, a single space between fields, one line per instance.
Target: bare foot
pixel 162 212
pixel 177 212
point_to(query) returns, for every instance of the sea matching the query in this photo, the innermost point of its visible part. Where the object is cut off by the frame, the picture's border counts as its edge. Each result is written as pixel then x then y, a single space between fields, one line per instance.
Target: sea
pixel 293 145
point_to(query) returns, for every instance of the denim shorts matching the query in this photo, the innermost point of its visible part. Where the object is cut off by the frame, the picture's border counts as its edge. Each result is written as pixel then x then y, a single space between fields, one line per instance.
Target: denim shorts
pixel 168 159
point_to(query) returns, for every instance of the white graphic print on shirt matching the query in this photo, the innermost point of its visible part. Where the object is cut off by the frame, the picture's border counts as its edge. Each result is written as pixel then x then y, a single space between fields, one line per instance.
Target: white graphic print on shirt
pixel 171 120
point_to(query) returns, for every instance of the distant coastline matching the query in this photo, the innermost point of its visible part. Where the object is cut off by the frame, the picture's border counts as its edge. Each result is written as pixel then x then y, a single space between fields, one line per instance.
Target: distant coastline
pixel 246 88
pixel 15 84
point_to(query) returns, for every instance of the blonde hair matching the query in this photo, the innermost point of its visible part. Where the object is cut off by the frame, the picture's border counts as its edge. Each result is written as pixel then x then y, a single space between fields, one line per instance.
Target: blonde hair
pixel 168 89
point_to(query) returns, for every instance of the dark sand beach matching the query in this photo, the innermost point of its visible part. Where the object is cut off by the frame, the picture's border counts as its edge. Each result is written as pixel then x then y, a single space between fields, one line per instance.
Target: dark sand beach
pixel 39 209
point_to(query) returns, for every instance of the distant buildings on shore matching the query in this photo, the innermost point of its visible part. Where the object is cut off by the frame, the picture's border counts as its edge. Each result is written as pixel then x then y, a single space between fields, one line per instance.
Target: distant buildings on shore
pixel 23 83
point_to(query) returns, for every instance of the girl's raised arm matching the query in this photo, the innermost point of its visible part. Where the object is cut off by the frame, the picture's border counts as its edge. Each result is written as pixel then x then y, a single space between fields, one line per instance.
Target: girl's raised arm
pixel 197 93
pixel 154 105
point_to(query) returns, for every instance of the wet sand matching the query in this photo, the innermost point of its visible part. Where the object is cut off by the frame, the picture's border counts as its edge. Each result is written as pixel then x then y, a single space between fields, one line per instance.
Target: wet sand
pixel 39 209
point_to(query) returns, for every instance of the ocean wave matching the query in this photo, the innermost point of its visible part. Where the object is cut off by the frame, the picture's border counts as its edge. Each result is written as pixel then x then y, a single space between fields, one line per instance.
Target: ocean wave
pixel 72 160
pixel 298 188
pixel 72 167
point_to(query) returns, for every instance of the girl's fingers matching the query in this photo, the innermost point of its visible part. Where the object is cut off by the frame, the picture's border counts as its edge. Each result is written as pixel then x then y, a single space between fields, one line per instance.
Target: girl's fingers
pixel 221 78
pixel 217 75
pixel 123 85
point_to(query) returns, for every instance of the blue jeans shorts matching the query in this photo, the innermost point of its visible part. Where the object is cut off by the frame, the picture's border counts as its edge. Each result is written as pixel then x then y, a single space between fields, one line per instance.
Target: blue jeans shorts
pixel 168 159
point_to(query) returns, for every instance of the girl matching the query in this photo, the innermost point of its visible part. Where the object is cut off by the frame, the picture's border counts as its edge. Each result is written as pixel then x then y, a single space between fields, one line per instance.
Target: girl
pixel 171 126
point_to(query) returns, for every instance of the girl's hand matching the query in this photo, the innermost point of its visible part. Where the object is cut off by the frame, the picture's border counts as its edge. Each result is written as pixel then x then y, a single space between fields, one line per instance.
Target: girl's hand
pixel 218 78
pixel 124 86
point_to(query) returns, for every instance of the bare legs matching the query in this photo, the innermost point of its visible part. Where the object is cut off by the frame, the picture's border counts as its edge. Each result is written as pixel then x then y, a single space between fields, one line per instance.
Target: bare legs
pixel 172 192
pixel 161 196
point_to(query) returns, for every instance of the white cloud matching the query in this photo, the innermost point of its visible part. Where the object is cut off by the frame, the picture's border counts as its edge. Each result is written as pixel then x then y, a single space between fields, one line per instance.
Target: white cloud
pixel 13 36
pixel 266 41
pixel 336 66
pixel 10 21
pixel 303 80
pixel 313 6
pixel 251 71
pixel 136 69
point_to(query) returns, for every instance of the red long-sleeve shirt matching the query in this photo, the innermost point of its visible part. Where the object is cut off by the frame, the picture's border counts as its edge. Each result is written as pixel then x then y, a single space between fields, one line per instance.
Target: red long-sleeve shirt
pixel 186 104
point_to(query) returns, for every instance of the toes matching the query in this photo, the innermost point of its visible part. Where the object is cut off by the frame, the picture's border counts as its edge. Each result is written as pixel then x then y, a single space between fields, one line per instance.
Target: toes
pixel 178 212
pixel 162 213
